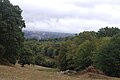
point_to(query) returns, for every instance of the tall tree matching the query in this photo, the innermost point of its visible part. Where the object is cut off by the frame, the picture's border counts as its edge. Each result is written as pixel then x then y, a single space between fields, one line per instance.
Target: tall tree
pixel 11 35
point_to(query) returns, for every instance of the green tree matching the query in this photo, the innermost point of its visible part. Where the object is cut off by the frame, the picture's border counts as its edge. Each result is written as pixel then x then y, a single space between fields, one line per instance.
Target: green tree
pixel 62 61
pixel 26 57
pixel 84 55
pixel 108 57
pixel 11 35
pixel 99 43
pixel 71 50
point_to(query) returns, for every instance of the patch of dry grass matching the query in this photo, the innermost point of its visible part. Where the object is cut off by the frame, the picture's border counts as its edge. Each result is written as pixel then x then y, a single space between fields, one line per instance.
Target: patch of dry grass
pixel 39 73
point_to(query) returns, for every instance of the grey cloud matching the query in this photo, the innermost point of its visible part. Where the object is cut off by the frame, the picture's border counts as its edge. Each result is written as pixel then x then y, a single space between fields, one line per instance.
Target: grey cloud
pixel 47 15
pixel 92 3
pixel 76 16
pixel 95 16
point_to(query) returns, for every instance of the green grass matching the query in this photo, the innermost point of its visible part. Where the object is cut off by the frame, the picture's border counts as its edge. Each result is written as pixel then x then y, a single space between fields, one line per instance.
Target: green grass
pixel 49 70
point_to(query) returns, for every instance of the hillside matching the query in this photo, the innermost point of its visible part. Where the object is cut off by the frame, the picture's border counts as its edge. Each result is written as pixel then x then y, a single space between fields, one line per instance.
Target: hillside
pixel 45 35
pixel 43 73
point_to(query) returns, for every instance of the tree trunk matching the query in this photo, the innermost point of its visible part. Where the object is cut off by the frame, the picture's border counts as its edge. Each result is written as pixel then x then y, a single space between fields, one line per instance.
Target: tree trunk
pixel 22 65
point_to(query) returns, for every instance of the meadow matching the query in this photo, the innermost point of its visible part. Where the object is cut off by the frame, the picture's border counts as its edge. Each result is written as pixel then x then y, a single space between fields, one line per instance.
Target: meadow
pixel 42 73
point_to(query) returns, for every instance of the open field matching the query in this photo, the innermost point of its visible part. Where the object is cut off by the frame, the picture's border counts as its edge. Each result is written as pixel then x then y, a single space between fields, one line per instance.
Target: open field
pixel 42 73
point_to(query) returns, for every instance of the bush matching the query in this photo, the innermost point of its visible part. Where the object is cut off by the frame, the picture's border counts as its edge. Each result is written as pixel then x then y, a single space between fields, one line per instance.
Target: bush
pixel 51 64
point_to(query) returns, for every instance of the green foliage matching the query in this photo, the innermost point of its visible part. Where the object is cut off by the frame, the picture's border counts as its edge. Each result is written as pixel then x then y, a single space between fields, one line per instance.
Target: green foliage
pixel 11 24
pixel 107 32
pixel 84 55
pixel 78 52
pixel 50 51
pixel 26 57
pixel 51 64
pixel 87 35
pixel 39 59
pixel 99 43
pixel 2 51
pixel 71 48
pixel 43 52
pixel 62 62
pixel 108 57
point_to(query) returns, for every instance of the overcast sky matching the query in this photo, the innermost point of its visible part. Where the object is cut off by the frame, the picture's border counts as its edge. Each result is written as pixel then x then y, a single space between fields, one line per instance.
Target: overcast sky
pixel 71 16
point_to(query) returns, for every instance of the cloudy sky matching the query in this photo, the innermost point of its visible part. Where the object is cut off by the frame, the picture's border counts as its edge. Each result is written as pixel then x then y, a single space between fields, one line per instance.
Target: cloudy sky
pixel 71 16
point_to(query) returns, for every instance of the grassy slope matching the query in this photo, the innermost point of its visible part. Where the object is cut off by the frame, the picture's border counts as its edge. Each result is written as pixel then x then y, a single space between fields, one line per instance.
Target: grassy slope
pixel 38 73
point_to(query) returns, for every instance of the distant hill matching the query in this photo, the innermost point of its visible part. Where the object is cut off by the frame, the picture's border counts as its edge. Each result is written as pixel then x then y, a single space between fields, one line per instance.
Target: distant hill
pixel 45 35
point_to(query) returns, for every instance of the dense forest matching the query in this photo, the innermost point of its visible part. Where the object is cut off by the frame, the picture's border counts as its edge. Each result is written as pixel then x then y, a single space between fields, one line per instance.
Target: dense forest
pixel 100 49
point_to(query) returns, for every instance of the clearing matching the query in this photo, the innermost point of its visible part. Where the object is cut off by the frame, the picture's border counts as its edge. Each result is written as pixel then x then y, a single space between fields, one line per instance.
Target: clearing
pixel 43 73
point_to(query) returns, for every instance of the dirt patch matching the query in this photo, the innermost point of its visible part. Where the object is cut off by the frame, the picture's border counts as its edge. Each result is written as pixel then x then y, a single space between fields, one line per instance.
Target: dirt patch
pixel 90 69
pixel 90 75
